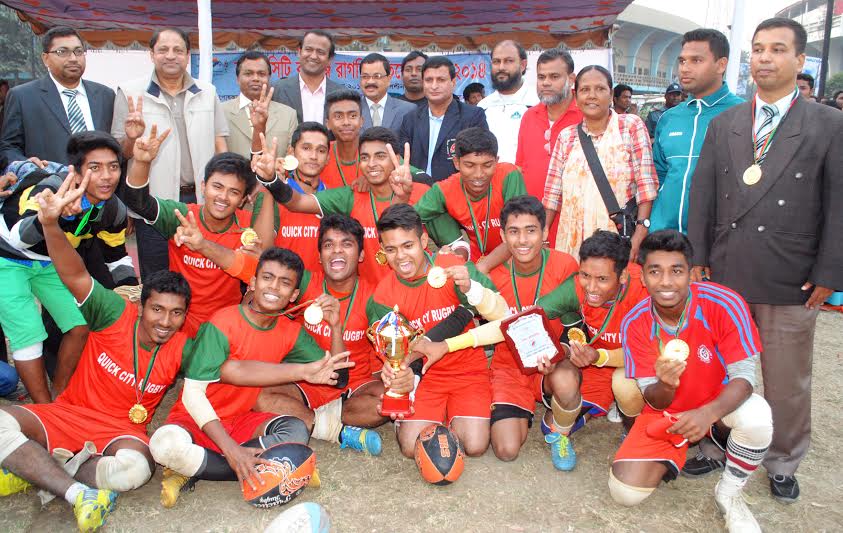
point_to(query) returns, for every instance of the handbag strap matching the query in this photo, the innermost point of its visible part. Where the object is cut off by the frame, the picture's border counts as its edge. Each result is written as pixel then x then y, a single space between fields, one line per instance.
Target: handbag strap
pixel 597 172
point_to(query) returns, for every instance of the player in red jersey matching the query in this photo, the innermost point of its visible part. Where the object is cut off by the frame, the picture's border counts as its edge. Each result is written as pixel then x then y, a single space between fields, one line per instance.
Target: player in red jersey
pixel 337 414
pixel 228 181
pixel 378 164
pixel 131 357
pixel 474 196
pixel 693 349
pixel 214 432
pixel 456 389
pixel 344 120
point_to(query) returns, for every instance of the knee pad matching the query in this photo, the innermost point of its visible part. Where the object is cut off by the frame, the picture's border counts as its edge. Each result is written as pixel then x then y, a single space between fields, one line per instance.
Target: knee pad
pixel 751 423
pixel 172 446
pixel 627 394
pixel 283 429
pixel 11 437
pixel 125 470
pixel 29 353
pixel 627 495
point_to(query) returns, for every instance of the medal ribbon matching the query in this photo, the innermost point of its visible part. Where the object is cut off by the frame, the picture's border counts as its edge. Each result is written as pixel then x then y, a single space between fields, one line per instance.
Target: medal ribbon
pixel 84 221
pixel 480 244
pixel 544 254
pixel 135 342
pixel 372 202
pixel 339 166
pixel 679 324
pixel 621 296
pixel 766 145
pixel 350 303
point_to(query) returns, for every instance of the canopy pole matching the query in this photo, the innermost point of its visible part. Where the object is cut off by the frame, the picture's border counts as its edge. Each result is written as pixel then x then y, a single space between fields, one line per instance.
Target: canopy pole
pixel 736 41
pixel 206 41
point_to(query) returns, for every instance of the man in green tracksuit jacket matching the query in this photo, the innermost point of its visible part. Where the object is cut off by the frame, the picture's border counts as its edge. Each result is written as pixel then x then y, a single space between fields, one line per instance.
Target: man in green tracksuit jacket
pixel 681 129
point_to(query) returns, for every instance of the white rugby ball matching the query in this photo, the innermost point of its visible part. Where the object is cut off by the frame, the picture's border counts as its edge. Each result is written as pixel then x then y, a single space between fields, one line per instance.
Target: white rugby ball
pixel 307 517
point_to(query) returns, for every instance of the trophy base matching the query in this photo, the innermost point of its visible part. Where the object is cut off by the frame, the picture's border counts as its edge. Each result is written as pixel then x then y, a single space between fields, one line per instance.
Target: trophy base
pixel 395 405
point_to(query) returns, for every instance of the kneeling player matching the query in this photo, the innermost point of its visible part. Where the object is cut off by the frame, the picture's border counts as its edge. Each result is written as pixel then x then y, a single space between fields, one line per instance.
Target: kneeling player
pixel 213 432
pixel 130 359
pixel 681 344
pixel 337 414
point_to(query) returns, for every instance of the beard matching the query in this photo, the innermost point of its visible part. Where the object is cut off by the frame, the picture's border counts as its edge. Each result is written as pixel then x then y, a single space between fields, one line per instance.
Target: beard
pixel 511 82
pixel 557 98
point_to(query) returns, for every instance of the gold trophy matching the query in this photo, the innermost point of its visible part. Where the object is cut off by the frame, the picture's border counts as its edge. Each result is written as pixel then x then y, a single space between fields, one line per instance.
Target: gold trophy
pixel 391 337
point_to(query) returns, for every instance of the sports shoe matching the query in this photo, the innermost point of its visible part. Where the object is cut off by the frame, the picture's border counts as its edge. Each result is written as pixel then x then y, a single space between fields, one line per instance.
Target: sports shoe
pixel 561 452
pixel 363 440
pixel 739 518
pixel 614 414
pixel 785 489
pixel 11 483
pixel 701 465
pixel 171 486
pixel 92 508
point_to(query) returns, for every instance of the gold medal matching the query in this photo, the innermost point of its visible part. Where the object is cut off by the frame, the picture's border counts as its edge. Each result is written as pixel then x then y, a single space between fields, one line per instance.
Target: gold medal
pixel 248 237
pixel 437 277
pixel 380 257
pixel 752 175
pixel 576 334
pixel 138 414
pixel 676 350
pixel 290 163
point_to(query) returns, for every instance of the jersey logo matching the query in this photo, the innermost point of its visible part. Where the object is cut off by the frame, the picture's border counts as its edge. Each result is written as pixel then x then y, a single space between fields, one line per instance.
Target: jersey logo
pixel 704 354
pixel 675 134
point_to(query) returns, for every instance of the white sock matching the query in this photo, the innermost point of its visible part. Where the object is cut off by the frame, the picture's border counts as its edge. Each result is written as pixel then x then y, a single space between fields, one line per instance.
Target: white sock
pixel 327 422
pixel 73 492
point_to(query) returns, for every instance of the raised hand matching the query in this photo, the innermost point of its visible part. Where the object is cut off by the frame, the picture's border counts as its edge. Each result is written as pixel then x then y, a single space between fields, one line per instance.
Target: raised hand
pixel 134 125
pixel 66 201
pixel 259 109
pixel 264 164
pixel 188 233
pixel 401 178
pixel 461 277
pixel 330 309
pixel 669 371
pixel 324 371
pixel 146 148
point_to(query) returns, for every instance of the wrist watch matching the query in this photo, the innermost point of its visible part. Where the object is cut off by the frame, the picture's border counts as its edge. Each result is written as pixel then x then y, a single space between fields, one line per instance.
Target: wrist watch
pixel 643 222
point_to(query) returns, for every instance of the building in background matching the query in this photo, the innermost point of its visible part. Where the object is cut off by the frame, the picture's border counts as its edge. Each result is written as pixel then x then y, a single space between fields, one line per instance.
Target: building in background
pixel 811 14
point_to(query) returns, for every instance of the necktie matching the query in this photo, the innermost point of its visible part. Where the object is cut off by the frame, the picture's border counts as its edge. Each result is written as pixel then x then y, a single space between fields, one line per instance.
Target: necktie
pixel 764 132
pixel 74 112
pixel 376 116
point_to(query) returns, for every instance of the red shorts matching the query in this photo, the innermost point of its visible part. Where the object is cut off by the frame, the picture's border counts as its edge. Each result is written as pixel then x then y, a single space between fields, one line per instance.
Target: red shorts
pixel 510 386
pixel 240 428
pixel 315 396
pixel 596 389
pixel 70 426
pixel 638 446
pixel 442 398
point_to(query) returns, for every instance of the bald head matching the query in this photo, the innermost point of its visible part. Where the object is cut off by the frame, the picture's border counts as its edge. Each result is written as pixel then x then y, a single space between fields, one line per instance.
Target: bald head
pixel 509 63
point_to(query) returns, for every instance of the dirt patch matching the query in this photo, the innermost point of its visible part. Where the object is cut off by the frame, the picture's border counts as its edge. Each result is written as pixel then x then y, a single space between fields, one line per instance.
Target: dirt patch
pixel 386 494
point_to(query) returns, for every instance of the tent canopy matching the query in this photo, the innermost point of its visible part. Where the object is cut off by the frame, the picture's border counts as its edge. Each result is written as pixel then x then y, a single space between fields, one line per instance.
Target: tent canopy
pixel 271 25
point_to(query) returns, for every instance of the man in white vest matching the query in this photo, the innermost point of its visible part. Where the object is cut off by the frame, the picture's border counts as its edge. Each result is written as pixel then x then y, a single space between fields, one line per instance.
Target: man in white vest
pixel 170 99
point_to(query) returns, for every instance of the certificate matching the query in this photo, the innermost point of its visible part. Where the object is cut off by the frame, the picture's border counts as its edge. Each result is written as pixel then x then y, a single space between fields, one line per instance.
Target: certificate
pixel 528 337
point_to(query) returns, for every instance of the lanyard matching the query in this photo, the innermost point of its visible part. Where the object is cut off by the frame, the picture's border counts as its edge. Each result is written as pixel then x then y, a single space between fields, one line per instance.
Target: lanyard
pixel 620 297
pixel 339 166
pixel 372 202
pixel 545 254
pixel 480 244
pixel 350 303
pixel 679 324
pixel 84 221
pixel 772 133
pixel 135 341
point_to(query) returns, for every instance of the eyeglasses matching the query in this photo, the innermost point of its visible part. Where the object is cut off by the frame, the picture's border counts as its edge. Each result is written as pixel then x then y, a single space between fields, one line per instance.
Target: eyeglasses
pixel 65 52
pixel 376 77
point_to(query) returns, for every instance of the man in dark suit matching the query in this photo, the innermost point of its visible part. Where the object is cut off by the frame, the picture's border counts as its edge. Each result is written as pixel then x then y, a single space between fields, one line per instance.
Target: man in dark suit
pixel 40 116
pixel 432 129
pixel 377 106
pixel 306 91
pixel 763 222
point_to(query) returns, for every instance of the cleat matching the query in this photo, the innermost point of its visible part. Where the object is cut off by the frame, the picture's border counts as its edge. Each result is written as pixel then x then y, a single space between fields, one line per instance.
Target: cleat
pixel 11 483
pixel 92 508
pixel 739 518
pixel 701 465
pixel 561 452
pixel 172 485
pixel 785 489
pixel 360 439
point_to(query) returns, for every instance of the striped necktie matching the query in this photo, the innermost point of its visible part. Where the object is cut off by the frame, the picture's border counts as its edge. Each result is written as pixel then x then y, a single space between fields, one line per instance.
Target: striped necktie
pixel 74 112
pixel 764 131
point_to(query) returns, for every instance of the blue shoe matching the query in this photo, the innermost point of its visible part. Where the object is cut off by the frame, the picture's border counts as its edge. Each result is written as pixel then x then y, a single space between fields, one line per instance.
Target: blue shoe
pixel 360 439
pixel 561 452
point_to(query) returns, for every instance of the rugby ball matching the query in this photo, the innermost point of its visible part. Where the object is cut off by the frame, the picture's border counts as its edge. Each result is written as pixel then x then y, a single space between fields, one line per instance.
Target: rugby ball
pixel 307 517
pixel 439 455
pixel 289 472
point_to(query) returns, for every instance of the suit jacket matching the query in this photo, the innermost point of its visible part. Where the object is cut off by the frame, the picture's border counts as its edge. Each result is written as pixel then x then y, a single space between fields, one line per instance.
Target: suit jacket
pixel 35 122
pixel 766 240
pixel 415 129
pixel 280 124
pixel 391 116
pixel 288 92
